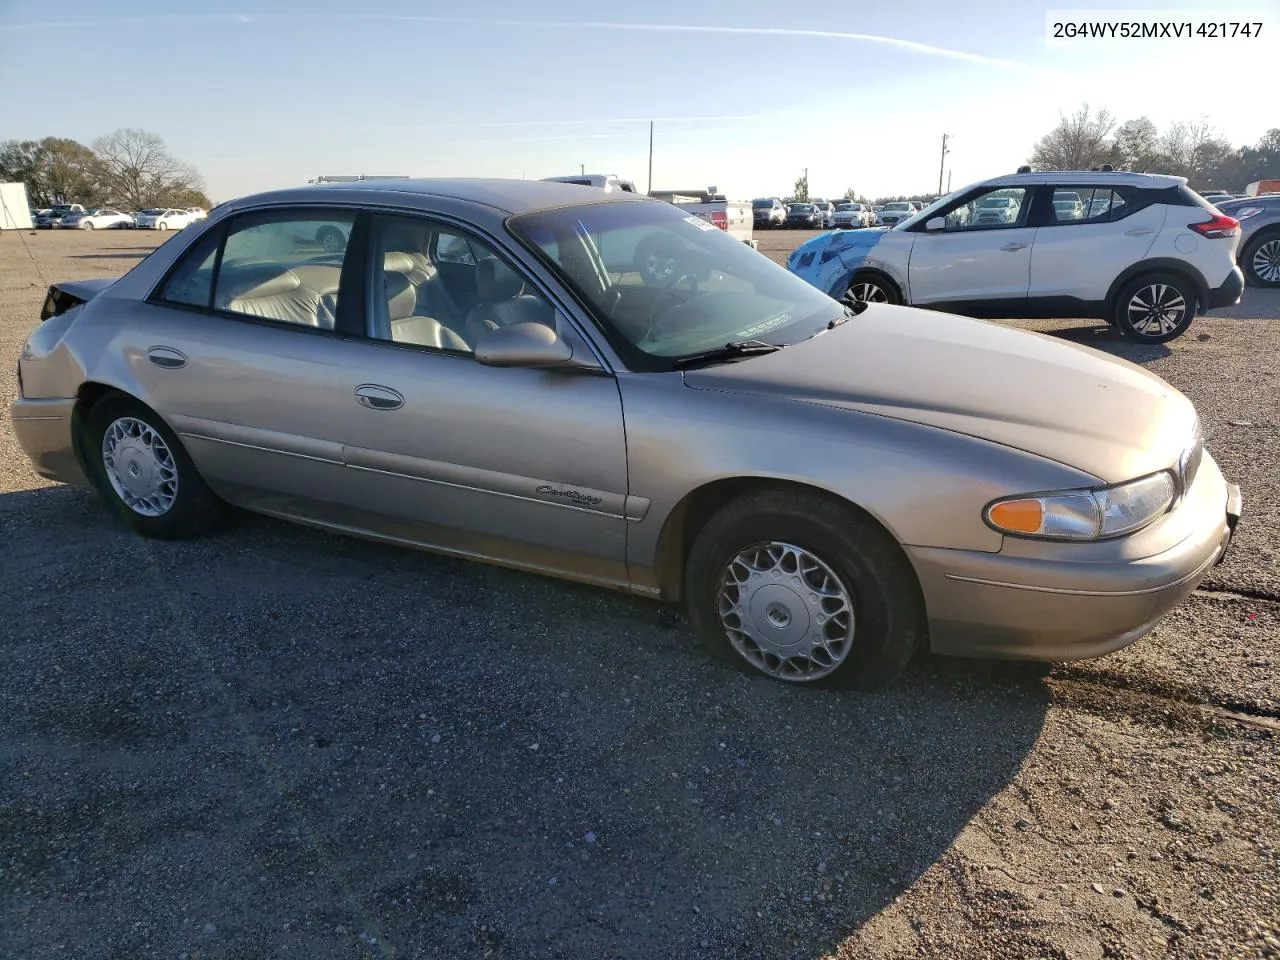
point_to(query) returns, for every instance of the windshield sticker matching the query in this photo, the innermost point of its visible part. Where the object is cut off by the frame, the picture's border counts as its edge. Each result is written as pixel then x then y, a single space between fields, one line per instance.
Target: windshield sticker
pixel 700 223
pixel 764 326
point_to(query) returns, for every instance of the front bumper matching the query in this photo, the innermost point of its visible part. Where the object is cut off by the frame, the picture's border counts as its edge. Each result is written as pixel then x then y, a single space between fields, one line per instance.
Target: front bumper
pixel 44 432
pixel 1229 291
pixel 1039 601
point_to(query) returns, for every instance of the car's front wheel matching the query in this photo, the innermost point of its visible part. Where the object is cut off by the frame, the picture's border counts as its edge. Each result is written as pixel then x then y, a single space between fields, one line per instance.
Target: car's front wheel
pixel 1155 308
pixel 1261 261
pixel 869 288
pixel 162 225
pixel 804 589
pixel 88 225
pixel 140 468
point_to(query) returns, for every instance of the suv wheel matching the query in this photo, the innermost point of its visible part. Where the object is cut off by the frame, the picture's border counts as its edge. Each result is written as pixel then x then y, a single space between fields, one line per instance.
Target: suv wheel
pixel 1261 261
pixel 1155 308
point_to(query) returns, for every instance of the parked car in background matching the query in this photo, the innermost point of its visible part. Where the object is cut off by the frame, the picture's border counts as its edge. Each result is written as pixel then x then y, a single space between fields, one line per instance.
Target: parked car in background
pixel 197 213
pixel 852 214
pixel 52 218
pixel 828 211
pixel 825 495
pixel 1154 256
pixel 1259 237
pixel 897 211
pixel 1217 198
pixel 601 181
pixel 168 218
pixel 768 213
pixel 803 216
pixel 100 218
pixel 1068 205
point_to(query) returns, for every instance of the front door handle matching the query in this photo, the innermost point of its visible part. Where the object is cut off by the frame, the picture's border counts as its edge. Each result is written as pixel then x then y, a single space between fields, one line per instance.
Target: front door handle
pixel 167 357
pixel 377 397
pixel 1013 247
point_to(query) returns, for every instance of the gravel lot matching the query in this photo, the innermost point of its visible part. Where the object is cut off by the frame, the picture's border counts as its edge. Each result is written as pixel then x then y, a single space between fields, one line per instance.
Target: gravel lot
pixel 279 743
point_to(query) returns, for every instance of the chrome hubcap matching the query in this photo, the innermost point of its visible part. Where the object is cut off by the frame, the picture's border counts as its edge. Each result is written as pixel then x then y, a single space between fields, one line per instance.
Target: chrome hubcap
pixel 330 243
pixel 1156 309
pixel 1266 261
pixel 140 467
pixel 659 268
pixel 868 292
pixel 786 612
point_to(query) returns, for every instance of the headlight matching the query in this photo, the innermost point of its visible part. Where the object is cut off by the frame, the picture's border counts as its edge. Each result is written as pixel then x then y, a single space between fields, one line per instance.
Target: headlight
pixel 1085 514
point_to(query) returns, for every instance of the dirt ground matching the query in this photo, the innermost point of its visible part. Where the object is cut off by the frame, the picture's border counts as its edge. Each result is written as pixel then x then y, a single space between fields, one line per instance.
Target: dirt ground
pixel 280 743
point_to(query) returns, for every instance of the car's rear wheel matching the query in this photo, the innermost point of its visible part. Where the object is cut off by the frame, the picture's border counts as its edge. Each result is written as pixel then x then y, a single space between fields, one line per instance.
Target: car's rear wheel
pixel 1261 261
pixel 870 288
pixel 162 225
pixel 803 589
pixel 88 225
pixel 1155 308
pixel 140 468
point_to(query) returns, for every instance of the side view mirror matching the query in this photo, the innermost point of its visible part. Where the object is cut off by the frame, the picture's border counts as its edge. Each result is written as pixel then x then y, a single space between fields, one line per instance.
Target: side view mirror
pixel 936 223
pixel 525 344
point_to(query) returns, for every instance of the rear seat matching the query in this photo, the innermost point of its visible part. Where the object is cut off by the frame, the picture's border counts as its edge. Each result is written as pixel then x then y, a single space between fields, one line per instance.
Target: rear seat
pixel 306 294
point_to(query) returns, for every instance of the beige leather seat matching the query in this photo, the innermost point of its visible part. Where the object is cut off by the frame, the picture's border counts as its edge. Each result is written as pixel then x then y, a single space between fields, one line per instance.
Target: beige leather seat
pixel 403 297
pixel 306 294
pixel 503 301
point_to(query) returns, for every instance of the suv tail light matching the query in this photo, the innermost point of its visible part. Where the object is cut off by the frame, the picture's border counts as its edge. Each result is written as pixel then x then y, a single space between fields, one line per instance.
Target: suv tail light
pixel 1218 228
pixel 720 218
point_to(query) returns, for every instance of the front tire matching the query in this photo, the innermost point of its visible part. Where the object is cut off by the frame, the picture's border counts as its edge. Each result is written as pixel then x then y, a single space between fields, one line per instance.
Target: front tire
pixel 88 225
pixel 804 589
pixel 144 474
pixel 1154 308
pixel 1261 261
pixel 162 225
pixel 868 287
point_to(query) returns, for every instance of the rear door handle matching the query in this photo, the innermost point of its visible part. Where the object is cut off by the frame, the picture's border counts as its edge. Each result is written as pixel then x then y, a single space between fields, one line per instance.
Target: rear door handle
pixel 1139 231
pixel 377 397
pixel 167 357
pixel 1013 247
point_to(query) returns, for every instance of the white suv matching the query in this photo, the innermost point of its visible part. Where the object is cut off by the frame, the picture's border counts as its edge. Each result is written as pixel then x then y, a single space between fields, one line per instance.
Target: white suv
pixel 1144 252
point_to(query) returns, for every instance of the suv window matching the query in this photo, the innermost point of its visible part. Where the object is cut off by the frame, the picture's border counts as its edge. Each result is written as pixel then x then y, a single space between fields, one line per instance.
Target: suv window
pixel 434 286
pixel 1086 205
pixel 995 209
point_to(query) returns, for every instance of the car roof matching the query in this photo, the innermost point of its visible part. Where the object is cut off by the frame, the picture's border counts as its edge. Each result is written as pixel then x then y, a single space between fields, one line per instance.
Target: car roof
pixel 1152 181
pixel 508 196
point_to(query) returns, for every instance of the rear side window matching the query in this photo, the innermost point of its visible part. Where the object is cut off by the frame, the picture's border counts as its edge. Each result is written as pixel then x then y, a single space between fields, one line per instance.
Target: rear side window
pixel 1086 205
pixel 285 268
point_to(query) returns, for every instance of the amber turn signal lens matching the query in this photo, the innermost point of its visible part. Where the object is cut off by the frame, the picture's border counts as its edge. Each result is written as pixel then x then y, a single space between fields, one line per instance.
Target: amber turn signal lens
pixel 1021 516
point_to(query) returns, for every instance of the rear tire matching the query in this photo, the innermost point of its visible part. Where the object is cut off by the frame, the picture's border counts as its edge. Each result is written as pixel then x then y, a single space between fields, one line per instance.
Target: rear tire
pixel 804 589
pixel 88 225
pixel 1154 308
pixel 144 474
pixel 162 225
pixel 1260 260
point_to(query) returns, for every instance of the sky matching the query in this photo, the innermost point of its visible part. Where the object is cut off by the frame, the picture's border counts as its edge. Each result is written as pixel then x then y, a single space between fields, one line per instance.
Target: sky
pixel 744 96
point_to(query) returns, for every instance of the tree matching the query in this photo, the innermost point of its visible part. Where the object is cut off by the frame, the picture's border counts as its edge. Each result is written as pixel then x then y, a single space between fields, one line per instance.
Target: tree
pixel 1197 152
pixel 55 170
pixel 1077 143
pixel 801 191
pixel 141 173
pixel 1136 146
pixel 1260 161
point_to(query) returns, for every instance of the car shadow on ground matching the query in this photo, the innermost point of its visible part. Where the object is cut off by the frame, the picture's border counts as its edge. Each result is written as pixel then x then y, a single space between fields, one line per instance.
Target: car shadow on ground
pixel 303 743
pixel 1103 337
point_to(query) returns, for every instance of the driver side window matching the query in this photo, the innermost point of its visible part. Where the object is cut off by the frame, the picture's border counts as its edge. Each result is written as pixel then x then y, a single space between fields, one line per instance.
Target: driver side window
pixel 1001 208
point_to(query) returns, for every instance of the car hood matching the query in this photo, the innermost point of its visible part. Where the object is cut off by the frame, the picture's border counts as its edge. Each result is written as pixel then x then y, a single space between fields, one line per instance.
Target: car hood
pixel 1067 403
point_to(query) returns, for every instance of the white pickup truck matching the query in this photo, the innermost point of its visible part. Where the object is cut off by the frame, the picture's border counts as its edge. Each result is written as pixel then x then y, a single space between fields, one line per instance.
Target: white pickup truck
pixel 735 218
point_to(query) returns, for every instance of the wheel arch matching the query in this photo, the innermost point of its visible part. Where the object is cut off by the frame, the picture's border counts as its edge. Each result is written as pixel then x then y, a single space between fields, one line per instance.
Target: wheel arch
pixel 88 396
pixel 1179 268
pixel 688 517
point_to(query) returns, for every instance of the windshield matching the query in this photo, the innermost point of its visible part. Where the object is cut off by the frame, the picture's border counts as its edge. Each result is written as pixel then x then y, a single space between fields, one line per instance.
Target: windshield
pixel 800 208
pixel 844 207
pixel 663 285
pixel 897 206
pixel 762 204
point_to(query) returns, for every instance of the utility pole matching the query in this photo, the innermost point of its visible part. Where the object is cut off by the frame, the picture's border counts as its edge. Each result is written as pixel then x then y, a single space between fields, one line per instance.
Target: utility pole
pixel 582 169
pixel 649 189
pixel 948 181
pixel 942 162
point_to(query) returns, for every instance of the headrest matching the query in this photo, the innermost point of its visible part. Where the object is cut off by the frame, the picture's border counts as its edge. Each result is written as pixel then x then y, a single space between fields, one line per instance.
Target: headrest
pixel 496 281
pixel 253 283
pixel 397 262
pixel 404 236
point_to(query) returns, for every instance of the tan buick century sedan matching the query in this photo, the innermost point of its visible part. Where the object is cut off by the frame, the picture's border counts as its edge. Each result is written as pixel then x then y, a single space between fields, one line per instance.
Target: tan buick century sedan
pixel 598 387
